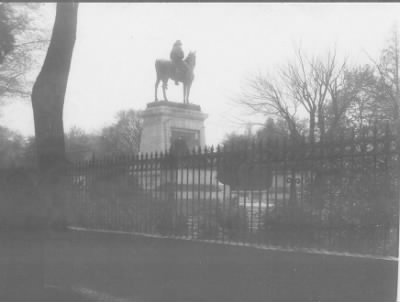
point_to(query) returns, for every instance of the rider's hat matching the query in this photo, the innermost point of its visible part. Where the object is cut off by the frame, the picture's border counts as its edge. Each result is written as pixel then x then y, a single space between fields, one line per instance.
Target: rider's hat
pixel 178 43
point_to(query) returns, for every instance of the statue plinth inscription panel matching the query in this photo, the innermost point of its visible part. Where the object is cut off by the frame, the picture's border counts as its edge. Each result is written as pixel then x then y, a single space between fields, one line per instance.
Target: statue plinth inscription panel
pixel 189 136
pixel 164 122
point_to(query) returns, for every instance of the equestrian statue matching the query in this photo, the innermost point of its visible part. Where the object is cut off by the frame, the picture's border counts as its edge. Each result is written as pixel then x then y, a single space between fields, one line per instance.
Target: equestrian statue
pixel 177 69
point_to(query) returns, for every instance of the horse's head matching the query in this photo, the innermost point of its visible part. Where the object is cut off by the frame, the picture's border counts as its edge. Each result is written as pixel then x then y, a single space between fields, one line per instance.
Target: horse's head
pixel 191 59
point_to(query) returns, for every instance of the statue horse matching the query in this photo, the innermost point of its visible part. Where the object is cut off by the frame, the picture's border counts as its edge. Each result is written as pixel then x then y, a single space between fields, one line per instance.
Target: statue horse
pixel 166 70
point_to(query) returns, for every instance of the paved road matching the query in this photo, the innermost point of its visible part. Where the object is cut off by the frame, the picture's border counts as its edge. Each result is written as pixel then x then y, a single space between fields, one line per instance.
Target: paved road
pixel 125 268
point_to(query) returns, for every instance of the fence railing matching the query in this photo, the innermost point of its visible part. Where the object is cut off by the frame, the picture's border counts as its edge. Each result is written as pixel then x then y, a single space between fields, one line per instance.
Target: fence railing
pixel 339 196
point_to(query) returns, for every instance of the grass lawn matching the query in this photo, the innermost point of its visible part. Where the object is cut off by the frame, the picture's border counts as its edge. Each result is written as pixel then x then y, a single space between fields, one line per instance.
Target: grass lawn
pixel 133 268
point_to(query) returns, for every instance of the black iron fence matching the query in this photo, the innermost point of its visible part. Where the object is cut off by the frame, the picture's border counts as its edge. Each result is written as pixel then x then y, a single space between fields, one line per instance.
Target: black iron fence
pixel 339 196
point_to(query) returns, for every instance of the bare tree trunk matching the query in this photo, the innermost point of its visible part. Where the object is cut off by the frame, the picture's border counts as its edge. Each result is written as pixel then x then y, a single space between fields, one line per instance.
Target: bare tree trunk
pixel 396 112
pixel 50 86
pixel 27 247
pixel 312 128
pixel 321 125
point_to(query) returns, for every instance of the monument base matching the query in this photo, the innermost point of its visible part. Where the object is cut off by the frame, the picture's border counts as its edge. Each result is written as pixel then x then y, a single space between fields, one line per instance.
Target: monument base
pixel 166 122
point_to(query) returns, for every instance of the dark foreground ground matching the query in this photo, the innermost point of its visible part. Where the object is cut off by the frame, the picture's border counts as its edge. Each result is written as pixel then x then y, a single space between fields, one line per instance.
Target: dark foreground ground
pixel 109 267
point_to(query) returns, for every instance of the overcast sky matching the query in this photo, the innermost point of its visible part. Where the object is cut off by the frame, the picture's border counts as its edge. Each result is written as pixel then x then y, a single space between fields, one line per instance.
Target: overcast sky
pixel 117 44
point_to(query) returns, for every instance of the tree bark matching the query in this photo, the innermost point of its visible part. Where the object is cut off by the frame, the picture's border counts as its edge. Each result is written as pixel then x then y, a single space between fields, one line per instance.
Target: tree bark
pixel 321 125
pixel 47 103
pixel 312 128
pixel 396 76
pixel 50 86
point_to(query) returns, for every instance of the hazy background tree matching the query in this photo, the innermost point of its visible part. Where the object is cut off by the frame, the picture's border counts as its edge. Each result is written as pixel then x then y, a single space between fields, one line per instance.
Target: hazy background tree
pixel 361 94
pixel 268 95
pixel 309 81
pixel 388 71
pixel 235 170
pixel 81 145
pixel 122 137
pixel 305 86
pixel 21 47
pixel 8 27
pixel 12 148
pixel 319 98
pixel 276 129
pixel 21 41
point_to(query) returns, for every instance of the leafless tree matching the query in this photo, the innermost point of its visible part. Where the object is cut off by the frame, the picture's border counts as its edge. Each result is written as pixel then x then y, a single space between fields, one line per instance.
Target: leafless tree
pixel 387 68
pixel 23 51
pixel 305 84
pixel 123 137
pixel 269 97
pixel 313 83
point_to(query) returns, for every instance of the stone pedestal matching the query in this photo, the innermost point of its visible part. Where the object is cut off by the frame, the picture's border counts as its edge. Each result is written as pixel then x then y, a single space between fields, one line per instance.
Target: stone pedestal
pixel 165 122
